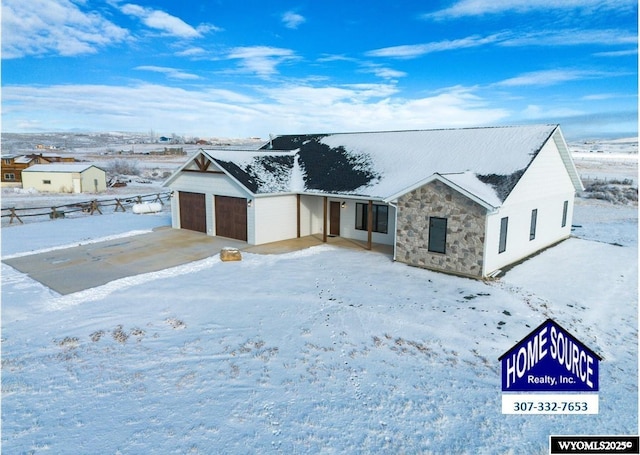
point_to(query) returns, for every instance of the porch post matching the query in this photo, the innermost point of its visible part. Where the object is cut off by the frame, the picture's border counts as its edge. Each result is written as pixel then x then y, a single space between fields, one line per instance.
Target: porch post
pixel 369 224
pixel 298 213
pixel 324 220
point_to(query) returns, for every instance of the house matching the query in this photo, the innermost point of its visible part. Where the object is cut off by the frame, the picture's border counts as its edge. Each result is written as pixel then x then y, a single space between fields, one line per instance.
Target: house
pixel 65 178
pixel 467 201
pixel 44 158
pixel 13 165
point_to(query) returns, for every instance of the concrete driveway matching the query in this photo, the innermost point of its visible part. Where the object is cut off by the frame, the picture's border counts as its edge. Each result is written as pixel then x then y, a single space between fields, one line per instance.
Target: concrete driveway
pixel 75 269
pixel 83 267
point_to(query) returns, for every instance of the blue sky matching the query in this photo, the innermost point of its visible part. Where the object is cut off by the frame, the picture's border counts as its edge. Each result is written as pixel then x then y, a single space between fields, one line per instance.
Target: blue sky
pixel 241 68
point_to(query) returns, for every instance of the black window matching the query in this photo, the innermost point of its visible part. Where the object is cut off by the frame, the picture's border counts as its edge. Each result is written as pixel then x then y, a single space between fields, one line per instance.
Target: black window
pixel 504 223
pixel 9 176
pixel 47 182
pixel 437 235
pixel 565 207
pixel 534 220
pixel 380 217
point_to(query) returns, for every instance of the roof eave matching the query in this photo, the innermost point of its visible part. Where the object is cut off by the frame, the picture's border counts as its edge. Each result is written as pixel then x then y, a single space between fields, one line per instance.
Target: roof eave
pixel 447 182
pixel 567 159
pixel 177 172
pixel 213 160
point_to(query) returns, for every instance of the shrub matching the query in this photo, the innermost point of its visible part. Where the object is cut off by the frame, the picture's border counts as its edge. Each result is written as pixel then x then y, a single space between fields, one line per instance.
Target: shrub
pixel 123 167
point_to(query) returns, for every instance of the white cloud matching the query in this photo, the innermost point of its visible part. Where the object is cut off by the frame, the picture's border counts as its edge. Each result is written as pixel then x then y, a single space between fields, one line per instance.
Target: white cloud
pixel 335 58
pixel 291 95
pixel 386 73
pixel 617 53
pixel 191 52
pixel 537 112
pixel 292 20
pixel 600 96
pixel 172 73
pixel 360 107
pixel 566 37
pixel 465 8
pixel 160 20
pixel 549 77
pixel 417 50
pixel 261 60
pixel 571 37
pixel 40 27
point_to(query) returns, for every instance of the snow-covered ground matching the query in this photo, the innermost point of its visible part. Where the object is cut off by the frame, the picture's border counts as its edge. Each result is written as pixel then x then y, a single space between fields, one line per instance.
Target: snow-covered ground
pixel 324 350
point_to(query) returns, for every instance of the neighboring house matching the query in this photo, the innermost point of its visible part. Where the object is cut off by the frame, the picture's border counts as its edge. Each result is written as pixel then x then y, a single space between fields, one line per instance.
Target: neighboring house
pixel 45 158
pixel 465 201
pixel 13 165
pixel 65 178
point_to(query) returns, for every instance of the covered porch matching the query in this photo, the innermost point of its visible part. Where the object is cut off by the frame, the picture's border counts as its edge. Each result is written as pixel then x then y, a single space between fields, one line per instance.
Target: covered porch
pixel 301 243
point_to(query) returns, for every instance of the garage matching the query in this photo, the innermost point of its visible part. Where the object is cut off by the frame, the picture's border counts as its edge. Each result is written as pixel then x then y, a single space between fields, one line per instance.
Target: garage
pixel 193 211
pixel 231 217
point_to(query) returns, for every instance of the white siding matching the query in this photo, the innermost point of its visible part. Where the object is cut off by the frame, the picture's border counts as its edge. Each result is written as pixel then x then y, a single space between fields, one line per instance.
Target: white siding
pixel 175 210
pixel 545 186
pixel 200 182
pixel 210 209
pixel 59 182
pixel 65 182
pixel 275 218
pixel 311 215
pixel 88 178
pixel 348 224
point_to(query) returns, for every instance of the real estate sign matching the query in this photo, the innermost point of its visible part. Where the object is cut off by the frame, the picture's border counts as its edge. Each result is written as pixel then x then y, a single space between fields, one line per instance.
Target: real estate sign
pixel 550 371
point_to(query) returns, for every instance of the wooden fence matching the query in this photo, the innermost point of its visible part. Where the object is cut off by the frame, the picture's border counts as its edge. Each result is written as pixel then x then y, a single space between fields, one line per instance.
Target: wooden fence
pixel 91 207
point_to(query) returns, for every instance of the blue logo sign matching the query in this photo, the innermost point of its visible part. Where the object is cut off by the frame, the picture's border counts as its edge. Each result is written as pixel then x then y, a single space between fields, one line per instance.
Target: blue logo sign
pixel 550 359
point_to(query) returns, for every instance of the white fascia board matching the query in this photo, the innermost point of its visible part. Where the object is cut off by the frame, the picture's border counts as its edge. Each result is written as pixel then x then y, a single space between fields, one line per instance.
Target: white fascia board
pixel 565 154
pixel 233 179
pixel 439 177
pixel 204 152
pixel 175 174
pixel 359 197
pixel 394 197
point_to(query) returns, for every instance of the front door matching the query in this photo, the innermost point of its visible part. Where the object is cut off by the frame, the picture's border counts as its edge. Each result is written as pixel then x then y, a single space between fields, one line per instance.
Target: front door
pixel 334 218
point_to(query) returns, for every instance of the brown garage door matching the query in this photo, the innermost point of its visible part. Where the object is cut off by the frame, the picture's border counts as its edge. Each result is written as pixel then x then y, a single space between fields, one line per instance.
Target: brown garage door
pixel 231 217
pixel 193 212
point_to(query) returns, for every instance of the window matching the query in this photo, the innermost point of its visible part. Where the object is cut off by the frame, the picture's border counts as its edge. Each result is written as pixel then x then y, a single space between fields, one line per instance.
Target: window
pixel 504 223
pixel 437 235
pixel 380 217
pixel 46 182
pixel 565 207
pixel 9 176
pixel 534 220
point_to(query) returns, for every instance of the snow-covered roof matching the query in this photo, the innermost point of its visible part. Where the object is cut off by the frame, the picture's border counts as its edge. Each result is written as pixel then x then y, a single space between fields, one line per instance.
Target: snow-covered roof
pixel 483 162
pixel 59 168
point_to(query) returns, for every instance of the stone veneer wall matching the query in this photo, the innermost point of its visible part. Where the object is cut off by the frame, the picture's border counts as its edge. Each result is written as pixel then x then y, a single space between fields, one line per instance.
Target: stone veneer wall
pixel 465 230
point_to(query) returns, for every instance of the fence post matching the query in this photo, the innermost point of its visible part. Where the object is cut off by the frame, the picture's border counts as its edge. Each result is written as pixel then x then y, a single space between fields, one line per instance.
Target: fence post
pixel 119 205
pixel 94 207
pixel 14 215
pixel 54 215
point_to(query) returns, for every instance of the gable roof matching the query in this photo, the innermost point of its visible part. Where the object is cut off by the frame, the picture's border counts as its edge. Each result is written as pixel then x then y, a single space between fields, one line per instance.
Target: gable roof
pixel 59 168
pixel 485 163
